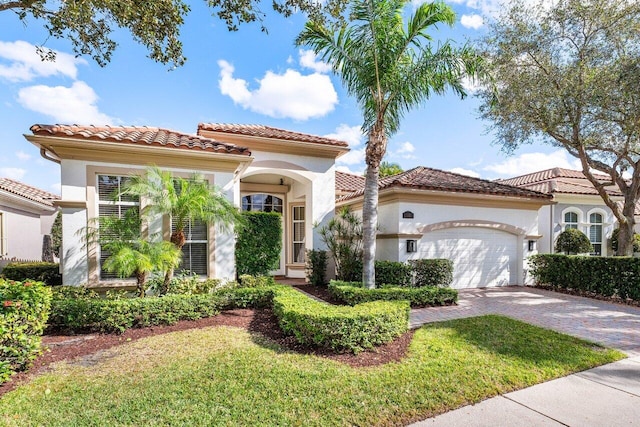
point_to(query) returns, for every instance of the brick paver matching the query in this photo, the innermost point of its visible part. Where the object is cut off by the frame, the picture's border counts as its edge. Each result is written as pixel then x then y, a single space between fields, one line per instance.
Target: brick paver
pixel 609 324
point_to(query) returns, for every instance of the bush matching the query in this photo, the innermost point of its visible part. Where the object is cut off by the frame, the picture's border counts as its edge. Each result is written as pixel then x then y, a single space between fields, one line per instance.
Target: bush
pixel 343 237
pixel 118 315
pixel 46 272
pixel 339 328
pixel 316 267
pixel 186 283
pixel 573 241
pixel 392 273
pixel 606 276
pixel 260 297
pixel 248 281
pixel 259 243
pixel 353 293
pixel 24 311
pixel 432 272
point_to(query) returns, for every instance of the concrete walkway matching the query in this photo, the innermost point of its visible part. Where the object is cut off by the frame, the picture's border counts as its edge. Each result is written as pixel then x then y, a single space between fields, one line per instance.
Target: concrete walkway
pixel 605 396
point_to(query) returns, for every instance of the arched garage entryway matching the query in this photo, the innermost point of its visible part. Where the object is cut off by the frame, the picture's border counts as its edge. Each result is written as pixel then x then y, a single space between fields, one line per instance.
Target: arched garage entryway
pixel 484 253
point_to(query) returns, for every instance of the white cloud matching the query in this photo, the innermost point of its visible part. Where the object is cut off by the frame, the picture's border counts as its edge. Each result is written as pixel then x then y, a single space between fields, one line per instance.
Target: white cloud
pixel 288 95
pixel 354 137
pixel 13 173
pixel 19 62
pixel 474 21
pixel 466 172
pixel 532 162
pixel 22 155
pixel 308 59
pixel 405 150
pixel 72 105
pixel 349 170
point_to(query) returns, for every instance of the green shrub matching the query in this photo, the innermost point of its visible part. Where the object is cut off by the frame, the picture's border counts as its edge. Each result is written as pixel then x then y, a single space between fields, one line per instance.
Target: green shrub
pixel 606 276
pixel 259 297
pixel 339 328
pixel 316 267
pixel 248 281
pixel 427 296
pixel 186 283
pixel 392 273
pixel 432 272
pixel 78 292
pixel 118 315
pixel 343 237
pixel 46 272
pixel 573 241
pixel 259 243
pixel 24 311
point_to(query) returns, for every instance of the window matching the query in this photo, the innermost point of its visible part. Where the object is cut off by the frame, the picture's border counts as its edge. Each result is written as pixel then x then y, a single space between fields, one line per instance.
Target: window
pixel 108 206
pixel 595 232
pixel 262 203
pixel 297 220
pixel 570 220
pixel 194 252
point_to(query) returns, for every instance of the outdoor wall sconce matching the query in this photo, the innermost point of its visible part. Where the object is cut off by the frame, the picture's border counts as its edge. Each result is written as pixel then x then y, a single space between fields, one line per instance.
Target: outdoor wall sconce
pixel 412 246
pixel 407 214
pixel 532 245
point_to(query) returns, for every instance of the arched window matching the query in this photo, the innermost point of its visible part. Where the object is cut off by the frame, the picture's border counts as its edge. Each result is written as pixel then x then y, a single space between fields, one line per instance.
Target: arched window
pixel 570 220
pixel 595 232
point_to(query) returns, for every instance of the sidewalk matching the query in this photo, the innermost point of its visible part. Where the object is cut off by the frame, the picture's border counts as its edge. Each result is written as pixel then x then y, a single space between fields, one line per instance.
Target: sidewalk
pixel 608 395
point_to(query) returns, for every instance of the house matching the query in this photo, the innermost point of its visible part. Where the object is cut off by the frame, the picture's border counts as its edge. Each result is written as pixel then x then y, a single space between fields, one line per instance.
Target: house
pixel 487 229
pixel 257 167
pixel 577 205
pixel 26 216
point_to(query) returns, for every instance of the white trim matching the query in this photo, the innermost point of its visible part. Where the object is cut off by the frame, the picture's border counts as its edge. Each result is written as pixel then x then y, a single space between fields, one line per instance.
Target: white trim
pixel 4 250
pixel 572 209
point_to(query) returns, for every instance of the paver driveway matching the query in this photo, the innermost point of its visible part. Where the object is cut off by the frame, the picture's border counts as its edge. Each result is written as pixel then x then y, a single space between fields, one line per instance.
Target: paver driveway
pixel 612 325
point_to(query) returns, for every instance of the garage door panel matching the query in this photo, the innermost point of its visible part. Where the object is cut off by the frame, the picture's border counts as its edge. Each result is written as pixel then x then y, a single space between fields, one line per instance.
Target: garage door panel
pixel 481 257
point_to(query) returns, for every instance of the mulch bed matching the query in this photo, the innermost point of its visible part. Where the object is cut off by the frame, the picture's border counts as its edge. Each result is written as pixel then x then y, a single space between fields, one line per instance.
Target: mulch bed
pixel 321 292
pixel 68 347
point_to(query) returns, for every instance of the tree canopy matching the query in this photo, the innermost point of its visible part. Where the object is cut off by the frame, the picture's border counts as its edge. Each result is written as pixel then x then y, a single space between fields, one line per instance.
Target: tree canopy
pixel 390 67
pixel 88 24
pixel 388 169
pixel 570 76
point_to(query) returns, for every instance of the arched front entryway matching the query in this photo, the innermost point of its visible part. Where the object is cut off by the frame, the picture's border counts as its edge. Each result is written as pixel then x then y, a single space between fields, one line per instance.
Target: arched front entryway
pixel 484 253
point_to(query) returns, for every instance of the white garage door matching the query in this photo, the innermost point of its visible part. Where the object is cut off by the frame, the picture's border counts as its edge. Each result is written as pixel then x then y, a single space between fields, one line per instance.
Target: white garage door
pixel 481 257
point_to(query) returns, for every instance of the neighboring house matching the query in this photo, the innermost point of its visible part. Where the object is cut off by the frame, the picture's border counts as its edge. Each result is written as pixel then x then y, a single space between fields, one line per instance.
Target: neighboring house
pixel 26 216
pixel 487 229
pixel 577 205
pixel 257 167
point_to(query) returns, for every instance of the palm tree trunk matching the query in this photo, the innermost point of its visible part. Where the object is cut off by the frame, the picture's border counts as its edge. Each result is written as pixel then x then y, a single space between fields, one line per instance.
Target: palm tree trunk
pixel 177 238
pixel 141 278
pixel 376 147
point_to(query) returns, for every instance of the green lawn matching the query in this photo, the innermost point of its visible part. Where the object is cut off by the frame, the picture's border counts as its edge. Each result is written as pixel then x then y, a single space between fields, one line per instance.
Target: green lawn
pixel 225 376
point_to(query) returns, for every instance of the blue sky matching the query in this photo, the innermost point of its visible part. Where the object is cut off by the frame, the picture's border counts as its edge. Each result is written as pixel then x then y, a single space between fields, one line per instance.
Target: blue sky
pixel 246 77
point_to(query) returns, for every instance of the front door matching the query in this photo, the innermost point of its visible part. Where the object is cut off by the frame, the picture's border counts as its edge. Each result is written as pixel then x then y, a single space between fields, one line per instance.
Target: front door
pixel 261 202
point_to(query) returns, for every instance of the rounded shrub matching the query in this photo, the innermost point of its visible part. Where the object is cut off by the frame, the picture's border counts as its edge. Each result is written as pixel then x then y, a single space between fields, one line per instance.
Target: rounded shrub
pixel 572 241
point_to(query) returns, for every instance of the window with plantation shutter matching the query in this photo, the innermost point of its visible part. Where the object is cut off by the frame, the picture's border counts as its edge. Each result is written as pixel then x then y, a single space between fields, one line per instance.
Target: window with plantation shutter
pixel 570 220
pixel 108 186
pixel 595 233
pixel 297 220
pixel 194 252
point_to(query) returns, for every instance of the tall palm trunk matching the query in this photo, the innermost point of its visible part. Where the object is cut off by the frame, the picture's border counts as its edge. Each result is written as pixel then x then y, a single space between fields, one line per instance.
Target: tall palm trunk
pixel 376 147
pixel 141 278
pixel 177 238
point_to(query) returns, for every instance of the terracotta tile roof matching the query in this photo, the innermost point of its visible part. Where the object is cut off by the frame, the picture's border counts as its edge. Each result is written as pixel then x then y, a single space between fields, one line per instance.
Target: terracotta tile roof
pixel 139 135
pixel 269 132
pixel 438 180
pixel 28 192
pixel 348 182
pixel 559 180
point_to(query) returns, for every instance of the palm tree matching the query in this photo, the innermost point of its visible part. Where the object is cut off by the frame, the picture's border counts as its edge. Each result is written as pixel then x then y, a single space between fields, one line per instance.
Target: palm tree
pixel 390 68
pixel 389 169
pixel 183 199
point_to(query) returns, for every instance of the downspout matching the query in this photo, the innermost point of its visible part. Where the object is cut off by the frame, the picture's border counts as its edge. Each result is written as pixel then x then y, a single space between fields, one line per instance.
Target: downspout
pixel 551 229
pixel 43 153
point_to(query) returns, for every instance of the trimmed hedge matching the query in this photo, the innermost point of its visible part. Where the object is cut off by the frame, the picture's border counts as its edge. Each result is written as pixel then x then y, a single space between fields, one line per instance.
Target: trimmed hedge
pixel 316 267
pixel 339 328
pixel 353 293
pixel 606 276
pixel 393 272
pixel 47 272
pixel 259 243
pixel 432 272
pixel 24 309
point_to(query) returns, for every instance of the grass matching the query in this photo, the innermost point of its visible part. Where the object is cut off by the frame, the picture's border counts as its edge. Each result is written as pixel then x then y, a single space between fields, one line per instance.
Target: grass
pixel 225 376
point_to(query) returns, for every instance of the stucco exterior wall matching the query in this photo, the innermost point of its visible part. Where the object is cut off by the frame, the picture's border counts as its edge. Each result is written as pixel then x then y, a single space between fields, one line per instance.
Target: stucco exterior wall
pixel 22 233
